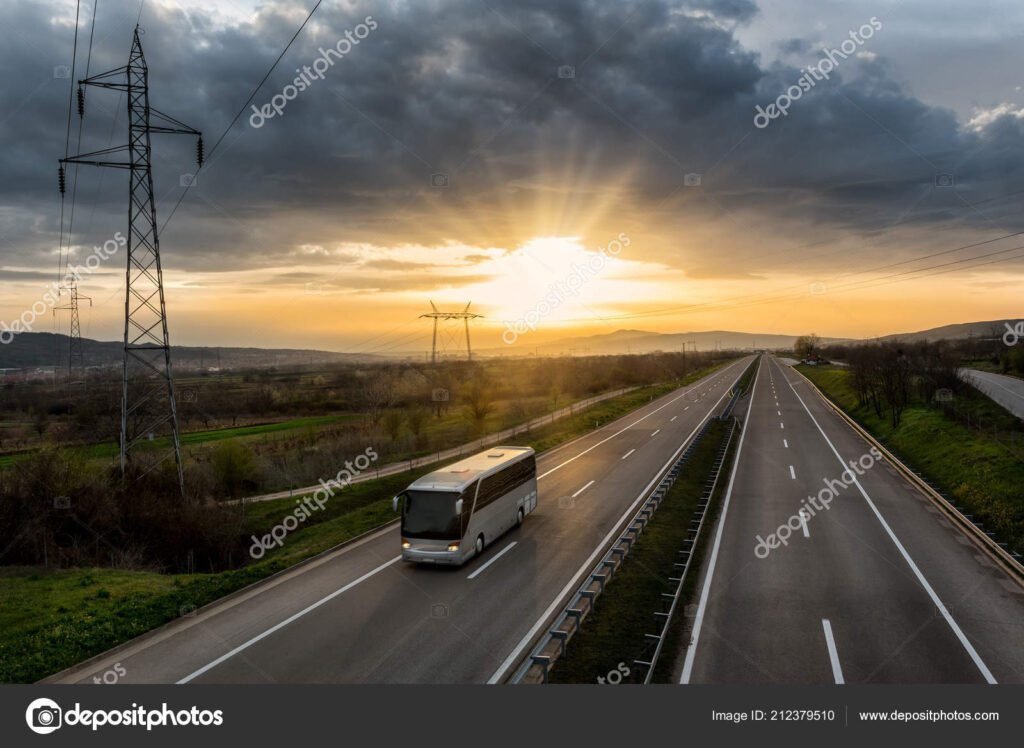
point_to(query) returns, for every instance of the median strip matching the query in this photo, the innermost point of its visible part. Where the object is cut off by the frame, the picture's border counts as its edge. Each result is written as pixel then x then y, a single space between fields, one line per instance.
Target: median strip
pixel 659 538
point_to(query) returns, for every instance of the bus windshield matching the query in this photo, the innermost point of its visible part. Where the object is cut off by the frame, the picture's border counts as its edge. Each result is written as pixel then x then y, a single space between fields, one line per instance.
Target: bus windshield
pixel 431 515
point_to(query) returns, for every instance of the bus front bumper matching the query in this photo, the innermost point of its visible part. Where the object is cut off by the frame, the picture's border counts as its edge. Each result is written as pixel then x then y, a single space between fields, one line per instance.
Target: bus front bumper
pixel 438 556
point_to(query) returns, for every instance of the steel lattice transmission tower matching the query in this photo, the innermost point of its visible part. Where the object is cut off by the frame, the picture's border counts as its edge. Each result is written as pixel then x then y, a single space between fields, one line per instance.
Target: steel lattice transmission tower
pixel 76 357
pixel 465 315
pixel 148 407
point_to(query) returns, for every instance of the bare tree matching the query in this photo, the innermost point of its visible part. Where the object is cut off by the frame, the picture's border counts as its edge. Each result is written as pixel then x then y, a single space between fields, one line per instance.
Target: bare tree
pixel 806 345
pixel 416 419
pixel 393 424
pixel 479 403
pixel 378 394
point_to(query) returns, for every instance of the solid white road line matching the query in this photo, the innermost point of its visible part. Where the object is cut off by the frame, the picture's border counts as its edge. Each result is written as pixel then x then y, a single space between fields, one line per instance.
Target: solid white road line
pixel 288 620
pixel 698 621
pixel 628 453
pixel 583 489
pixel 792 472
pixel 587 565
pixel 833 654
pixel 627 428
pixel 494 558
pixel 939 605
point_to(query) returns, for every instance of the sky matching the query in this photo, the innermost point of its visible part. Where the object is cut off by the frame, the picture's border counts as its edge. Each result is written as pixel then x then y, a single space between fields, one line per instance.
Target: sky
pixel 570 167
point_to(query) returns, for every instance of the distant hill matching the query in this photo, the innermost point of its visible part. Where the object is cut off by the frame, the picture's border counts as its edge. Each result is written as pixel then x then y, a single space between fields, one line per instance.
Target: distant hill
pixel 46 349
pixel 993 329
pixel 43 349
pixel 644 341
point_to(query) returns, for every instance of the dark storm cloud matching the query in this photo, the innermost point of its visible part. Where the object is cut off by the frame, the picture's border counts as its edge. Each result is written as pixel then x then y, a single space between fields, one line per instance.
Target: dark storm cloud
pixel 471 89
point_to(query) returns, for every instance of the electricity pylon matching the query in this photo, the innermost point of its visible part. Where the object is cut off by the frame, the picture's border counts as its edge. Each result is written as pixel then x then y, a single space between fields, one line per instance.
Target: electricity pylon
pixel 148 406
pixel 465 315
pixel 76 357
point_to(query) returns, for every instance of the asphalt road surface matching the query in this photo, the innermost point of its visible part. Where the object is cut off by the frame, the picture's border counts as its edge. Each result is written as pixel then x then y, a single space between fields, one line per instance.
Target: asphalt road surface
pixel 878 588
pixel 1007 391
pixel 360 615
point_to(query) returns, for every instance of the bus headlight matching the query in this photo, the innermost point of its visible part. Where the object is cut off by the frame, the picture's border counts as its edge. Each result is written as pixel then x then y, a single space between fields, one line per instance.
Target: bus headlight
pixel 406 544
pixel 452 547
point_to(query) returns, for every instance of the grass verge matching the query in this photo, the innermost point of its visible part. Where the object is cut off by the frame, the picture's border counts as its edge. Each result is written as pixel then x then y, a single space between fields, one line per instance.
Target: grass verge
pixel 973 467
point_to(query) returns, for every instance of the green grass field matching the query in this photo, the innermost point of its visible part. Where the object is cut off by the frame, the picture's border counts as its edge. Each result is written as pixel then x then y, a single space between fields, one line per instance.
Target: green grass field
pixel 448 430
pixel 195 438
pixel 978 471
pixel 54 619
pixel 109 450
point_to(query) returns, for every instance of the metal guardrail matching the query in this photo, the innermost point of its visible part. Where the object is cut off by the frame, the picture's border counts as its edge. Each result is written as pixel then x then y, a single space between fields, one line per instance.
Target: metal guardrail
pixel 669 602
pixel 737 393
pixel 553 643
pixel 1010 560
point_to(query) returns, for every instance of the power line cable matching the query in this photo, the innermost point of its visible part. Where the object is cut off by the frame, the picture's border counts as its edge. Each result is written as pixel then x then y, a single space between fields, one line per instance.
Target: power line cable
pixel 241 111
pixel 67 136
pixel 78 148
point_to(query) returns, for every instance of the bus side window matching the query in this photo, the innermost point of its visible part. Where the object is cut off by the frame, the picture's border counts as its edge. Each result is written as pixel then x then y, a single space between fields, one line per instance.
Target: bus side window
pixel 531 463
pixel 495 486
pixel 488 490
pixel 467 504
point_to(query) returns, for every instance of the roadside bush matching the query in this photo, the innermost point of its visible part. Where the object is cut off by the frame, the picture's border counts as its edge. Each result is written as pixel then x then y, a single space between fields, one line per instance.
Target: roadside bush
pixel 56 512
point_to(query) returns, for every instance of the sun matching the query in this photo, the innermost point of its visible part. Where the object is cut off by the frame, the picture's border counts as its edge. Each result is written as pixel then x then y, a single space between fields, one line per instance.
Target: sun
pixel 554 276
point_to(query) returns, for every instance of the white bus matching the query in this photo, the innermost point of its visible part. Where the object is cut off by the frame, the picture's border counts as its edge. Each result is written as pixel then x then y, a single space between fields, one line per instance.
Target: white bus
pixel 452 514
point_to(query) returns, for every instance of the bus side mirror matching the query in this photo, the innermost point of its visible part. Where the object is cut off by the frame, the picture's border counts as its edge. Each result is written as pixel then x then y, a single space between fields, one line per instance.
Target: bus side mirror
pixel 394 504
pixel 458 507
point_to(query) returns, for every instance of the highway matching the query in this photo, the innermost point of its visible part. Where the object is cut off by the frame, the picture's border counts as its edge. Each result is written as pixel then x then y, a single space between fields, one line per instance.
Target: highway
pixel 1007 391
pixel 360 615
pixel 876 588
